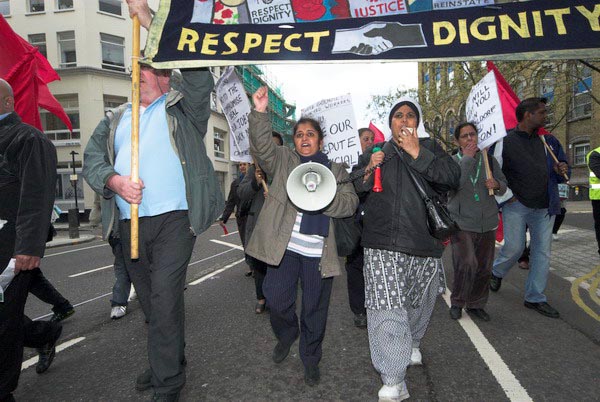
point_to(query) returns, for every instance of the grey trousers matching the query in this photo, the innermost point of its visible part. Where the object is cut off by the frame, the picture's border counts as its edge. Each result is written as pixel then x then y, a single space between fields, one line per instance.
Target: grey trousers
pixel 165 248
pixel 394 332
pixel 122 286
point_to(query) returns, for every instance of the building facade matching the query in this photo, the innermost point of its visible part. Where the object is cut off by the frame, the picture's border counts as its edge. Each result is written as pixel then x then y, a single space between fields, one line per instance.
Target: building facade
pixel 571 88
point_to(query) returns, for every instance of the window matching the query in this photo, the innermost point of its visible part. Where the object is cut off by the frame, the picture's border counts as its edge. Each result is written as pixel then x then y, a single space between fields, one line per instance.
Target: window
pixel 213 101
pixel 54 128
pixel 219 137
pixel 35 6
pixel 38 40
pixel 111 102
pixel 5 7
pixel 113 52
pixel 110 6
pixel 546 90
pixel 438 77
pixel 582 100
pixel 64 188
pixel 63 5
pixel 66 49
pixel 450 126
pixel 580 151
pixel 450 76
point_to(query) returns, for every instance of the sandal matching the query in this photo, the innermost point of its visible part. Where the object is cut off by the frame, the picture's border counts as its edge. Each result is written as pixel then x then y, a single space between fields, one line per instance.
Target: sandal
pixel 260 308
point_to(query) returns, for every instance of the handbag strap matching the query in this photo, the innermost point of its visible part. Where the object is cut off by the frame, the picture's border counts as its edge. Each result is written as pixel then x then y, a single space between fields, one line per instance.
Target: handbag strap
pixel 415 180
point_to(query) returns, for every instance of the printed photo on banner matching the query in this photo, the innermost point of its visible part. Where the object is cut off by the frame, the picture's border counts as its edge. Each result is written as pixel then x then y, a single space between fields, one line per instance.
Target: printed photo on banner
pixel 336 117
pixel 447 4
pixel 236 108
pixel 370 8
pixel 270 12
pixel 484 109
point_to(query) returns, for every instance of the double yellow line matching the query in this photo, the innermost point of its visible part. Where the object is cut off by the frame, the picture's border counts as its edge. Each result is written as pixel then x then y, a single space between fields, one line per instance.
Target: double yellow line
pixel 594 277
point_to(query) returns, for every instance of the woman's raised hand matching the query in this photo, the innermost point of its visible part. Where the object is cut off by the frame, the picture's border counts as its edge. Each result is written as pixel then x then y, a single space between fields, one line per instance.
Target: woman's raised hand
pixel 409 141
pixel 260 98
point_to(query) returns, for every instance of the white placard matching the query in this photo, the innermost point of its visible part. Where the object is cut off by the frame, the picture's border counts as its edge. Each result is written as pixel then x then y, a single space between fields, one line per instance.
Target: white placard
pixel 270 12
pixel 336 117
pixel 484 109
pixel 236 108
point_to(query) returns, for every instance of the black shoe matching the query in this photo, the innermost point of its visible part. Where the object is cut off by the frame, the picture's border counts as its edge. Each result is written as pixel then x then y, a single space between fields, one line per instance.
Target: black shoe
pixel 48 351
pixel 495 283
pixel 248 274
pixel 543 308
pixel 280 352
pixel 479 313
pixel 455 312
pixel 144 381
pixel 312 375
pixel 360 320
pixel 165 397
pixel 59 316
pixel 8 398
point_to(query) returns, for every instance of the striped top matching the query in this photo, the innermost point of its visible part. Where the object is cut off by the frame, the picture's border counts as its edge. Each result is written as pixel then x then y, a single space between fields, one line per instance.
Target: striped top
pixel 303 244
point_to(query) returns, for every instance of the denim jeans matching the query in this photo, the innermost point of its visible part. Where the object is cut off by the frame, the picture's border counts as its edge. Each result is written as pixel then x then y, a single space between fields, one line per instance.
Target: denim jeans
pixel 122 286
pixel 515 216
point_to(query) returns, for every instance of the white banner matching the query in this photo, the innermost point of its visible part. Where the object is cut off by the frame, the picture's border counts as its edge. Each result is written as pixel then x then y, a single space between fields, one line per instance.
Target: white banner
pixel 483 108
pixel 236 108
pixel 336 116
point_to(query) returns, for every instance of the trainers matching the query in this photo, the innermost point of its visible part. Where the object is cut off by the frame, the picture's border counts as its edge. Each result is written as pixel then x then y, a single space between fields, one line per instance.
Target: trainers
pixel 312 375
pixel 132 294
pixel 495 283
pixel 479 313
pixel 59 316
pixel 543 308
pixel 416 358
pixel 393 393
pixel 144 381
pixel 118 312
pixel 360 320
pixel 555 236
pixel 455 312
pixel 48 351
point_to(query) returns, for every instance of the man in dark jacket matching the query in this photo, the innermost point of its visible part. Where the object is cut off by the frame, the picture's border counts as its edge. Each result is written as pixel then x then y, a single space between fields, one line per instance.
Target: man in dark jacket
pixel 525 167
pixel 27 186
pixel 178 197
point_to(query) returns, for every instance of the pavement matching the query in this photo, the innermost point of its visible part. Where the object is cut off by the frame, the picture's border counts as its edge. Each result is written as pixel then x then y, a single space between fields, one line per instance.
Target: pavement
pixel 62 238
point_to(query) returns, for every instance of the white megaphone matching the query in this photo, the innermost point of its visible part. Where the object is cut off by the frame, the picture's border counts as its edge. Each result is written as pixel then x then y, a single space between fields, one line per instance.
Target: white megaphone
pixel 311 186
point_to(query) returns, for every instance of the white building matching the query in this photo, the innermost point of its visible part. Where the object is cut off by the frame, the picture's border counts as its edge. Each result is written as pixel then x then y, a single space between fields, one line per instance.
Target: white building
pixel 88 42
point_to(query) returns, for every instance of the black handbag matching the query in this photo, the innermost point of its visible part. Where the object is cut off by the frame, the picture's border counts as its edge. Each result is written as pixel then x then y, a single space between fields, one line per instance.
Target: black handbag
pixel 439 222
pixel 347 235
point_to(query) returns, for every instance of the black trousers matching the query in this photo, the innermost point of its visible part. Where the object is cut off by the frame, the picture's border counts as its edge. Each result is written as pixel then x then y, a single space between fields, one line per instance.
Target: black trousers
pixel 280 288
pixel 596 212
pixel 260 270
pixel 165 248
pixel 41 288
pixel 356 281
pixel 559 220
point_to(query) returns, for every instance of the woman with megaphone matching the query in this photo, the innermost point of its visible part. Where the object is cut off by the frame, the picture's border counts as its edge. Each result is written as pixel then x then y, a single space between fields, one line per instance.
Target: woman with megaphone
pixel 403 267
pixel 297 245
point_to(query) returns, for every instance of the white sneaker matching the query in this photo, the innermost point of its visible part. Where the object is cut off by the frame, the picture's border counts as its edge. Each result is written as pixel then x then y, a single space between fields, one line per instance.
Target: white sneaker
pixel 393 393
pixel 132 294
pixel 555 236
pixel 416 358
pixel 118 312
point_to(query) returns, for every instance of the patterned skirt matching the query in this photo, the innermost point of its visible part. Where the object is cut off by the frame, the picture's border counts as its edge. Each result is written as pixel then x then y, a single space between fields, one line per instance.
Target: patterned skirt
pixel 393 279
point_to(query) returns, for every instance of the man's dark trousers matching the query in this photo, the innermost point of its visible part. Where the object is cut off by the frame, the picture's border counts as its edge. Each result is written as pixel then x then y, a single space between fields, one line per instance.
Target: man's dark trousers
pixel 356 281
pixel 41 288
pixel 165 247
pixel 280 288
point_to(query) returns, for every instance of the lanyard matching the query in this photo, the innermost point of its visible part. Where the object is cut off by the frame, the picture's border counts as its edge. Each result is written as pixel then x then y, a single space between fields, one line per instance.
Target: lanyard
pixel 474 179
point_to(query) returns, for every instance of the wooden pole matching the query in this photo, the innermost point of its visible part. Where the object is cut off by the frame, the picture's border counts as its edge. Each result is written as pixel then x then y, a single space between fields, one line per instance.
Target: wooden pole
pixel 488 171
pixel 264 185
pixel 135 131
pixel 553 156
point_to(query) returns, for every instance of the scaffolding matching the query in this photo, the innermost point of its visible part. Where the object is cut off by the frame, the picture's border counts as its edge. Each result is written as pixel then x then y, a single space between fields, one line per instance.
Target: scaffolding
pixel 281 113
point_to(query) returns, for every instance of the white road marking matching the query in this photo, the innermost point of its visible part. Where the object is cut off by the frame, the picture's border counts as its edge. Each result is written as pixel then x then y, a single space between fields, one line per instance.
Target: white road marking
pixel 73 251
pixel 90 271
pixel 212 256
pixel 224 243
pixel 507 380
pixel 229 234
pixel 30 362
pixel 218 271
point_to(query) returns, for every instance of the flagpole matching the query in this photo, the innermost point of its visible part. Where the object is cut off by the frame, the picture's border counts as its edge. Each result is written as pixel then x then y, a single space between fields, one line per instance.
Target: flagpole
pixel 553 156
pixel 135 128
pixel 488 171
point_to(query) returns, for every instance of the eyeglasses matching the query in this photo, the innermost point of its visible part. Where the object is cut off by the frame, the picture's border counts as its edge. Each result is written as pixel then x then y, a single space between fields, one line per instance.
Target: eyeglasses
pixel 464 136
pixel 409 115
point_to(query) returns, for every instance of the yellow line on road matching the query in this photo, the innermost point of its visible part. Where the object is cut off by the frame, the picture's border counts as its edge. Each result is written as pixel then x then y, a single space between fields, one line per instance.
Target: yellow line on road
pixel 593 290
pixel 575 293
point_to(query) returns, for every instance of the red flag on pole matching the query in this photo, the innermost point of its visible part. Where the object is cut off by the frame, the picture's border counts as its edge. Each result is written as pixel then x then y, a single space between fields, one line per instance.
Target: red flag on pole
pixel 28 72
pixel 378 137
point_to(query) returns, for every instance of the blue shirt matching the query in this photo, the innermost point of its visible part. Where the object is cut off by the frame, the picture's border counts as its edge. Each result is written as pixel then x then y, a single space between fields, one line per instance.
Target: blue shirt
pixel 160 167
pixel 2 116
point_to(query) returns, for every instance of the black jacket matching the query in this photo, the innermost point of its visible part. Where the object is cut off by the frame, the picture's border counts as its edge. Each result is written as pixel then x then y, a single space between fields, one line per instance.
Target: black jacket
pixel 27 187
pixel 395 219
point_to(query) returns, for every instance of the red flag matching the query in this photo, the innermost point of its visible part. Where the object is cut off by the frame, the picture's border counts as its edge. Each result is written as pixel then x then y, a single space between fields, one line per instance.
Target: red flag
pixel 28 72
pixel 378 137
pixel 508 100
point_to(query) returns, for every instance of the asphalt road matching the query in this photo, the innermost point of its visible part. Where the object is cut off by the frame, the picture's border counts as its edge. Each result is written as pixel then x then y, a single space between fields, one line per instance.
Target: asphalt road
pixel 519 355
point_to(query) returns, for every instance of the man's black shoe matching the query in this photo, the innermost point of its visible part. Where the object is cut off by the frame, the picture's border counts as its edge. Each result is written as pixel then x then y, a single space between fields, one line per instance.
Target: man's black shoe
pixel 495 283
pixel 455 312
pixel 144 381
pixel 280 352
pixel 543 308
pixel 360 320
pixel 48 351
pixel 312 375
pixel 479 313
pixel 165 397
pixel 62 315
